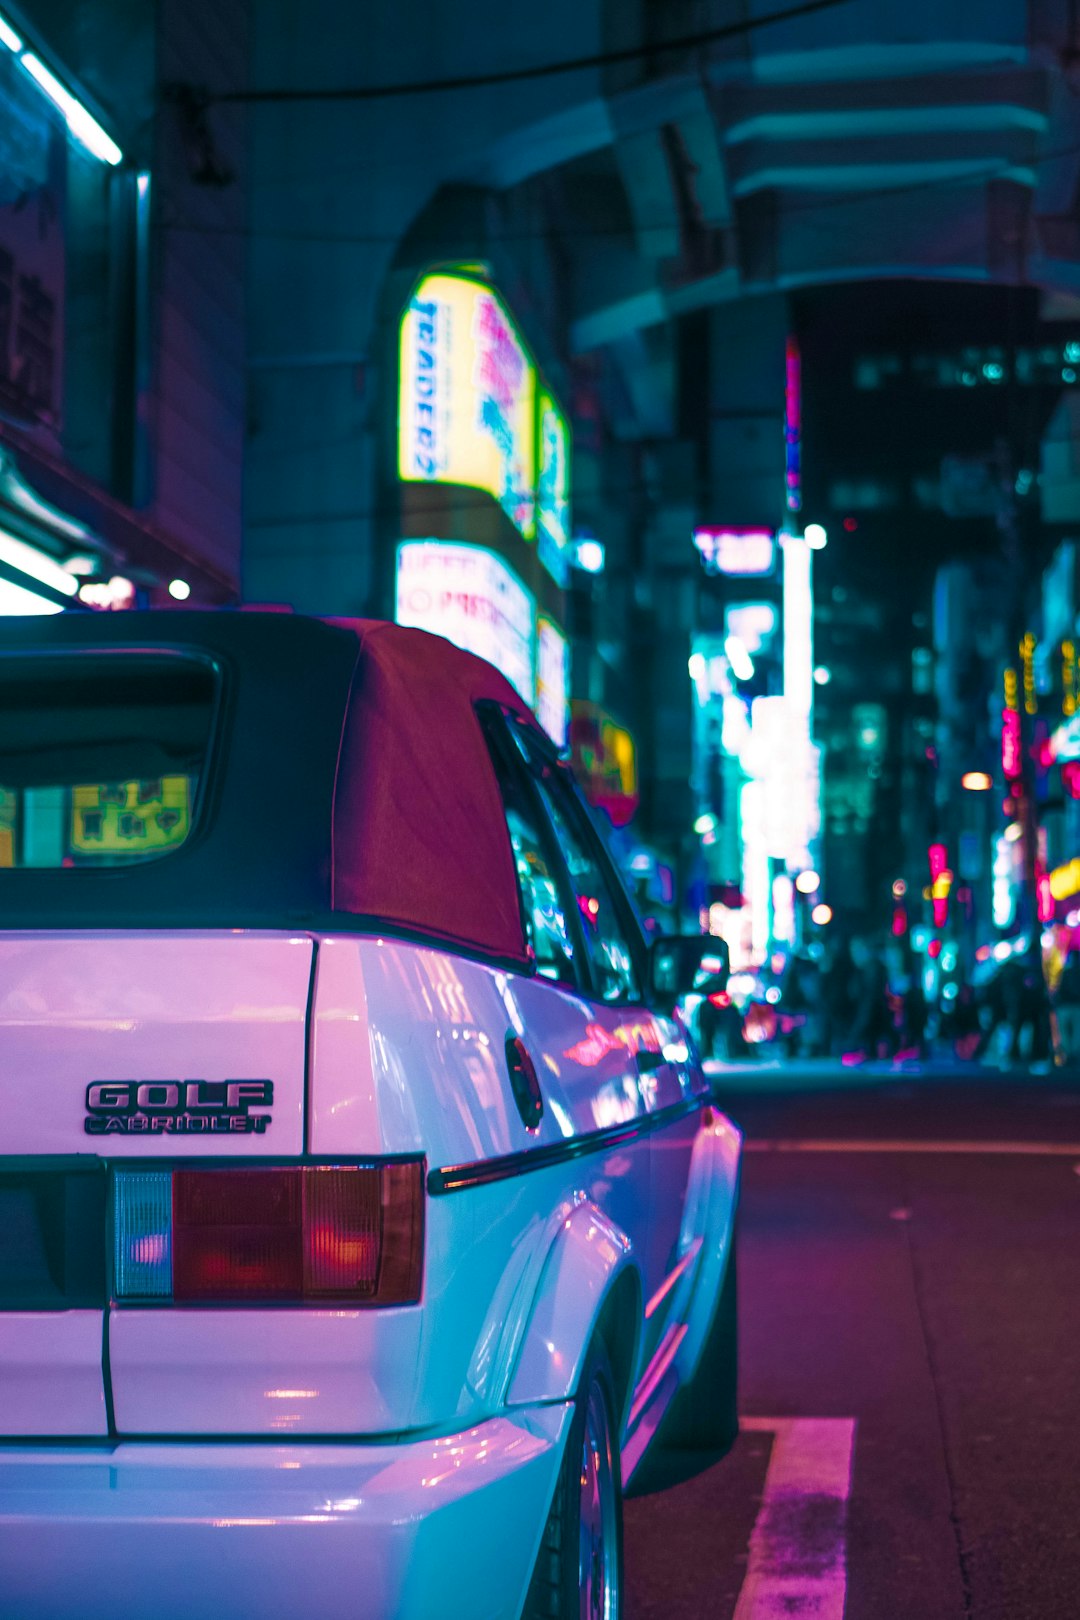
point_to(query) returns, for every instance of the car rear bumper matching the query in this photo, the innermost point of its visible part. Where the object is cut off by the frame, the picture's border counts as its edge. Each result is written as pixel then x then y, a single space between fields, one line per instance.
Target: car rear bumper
pixel 447 1526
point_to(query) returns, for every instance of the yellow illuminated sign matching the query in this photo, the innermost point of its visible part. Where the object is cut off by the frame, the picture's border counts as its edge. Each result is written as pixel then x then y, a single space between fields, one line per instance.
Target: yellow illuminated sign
pixel 109 818
pixel 1065 880
pixel 467 396
pixel 1068 677
pixel 1027 665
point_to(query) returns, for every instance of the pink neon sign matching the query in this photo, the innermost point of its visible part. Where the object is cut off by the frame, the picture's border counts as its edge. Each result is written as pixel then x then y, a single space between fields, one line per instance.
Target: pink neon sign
pixel 1010 744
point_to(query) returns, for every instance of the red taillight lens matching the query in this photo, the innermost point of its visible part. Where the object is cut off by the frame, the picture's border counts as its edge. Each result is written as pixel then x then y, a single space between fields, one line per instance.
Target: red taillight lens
pixel 342 1231
pixel 237 1234
pixel 300 1233
pixel 720 998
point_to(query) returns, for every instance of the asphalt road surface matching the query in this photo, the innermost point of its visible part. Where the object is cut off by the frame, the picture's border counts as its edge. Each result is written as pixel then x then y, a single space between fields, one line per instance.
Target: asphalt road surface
pixel 909 1275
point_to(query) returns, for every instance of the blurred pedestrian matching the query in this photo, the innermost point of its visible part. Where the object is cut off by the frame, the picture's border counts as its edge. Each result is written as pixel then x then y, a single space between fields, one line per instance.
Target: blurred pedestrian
pixel 914 1016
pixel 962 1027
pixel 871 1031
pixel 836 981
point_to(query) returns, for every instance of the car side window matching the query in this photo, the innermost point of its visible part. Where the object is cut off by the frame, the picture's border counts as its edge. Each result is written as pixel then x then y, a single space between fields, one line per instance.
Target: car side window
pixel 547 928
pixel 607 940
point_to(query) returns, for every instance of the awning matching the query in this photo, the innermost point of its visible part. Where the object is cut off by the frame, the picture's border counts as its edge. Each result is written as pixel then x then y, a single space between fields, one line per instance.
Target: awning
pixel 60 531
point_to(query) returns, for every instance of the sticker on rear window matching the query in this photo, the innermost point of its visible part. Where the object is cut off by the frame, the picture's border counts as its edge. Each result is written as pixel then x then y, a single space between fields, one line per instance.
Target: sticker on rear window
pixel 178 1107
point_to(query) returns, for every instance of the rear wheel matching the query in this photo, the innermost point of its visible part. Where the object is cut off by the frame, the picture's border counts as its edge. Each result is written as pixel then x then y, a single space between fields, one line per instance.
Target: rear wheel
pixel 578 1574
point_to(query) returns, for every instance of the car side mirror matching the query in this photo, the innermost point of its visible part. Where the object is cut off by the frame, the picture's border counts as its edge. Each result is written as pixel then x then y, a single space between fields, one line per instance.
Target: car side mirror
pixel 685 964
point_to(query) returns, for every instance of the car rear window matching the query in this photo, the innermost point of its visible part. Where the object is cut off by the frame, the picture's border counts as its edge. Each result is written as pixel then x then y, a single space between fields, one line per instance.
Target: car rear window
pixel 101 756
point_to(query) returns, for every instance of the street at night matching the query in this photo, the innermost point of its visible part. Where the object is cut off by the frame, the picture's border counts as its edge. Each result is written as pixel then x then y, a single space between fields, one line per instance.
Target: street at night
pixel 909 1268
pixel 539 810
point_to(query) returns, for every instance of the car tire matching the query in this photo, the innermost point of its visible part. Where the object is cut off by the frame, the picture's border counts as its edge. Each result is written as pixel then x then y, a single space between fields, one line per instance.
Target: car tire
pixel 578 1569
pixel 704 1415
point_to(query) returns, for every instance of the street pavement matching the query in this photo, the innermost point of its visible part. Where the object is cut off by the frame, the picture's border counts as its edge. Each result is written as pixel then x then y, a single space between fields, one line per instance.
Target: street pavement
pixel 909 1276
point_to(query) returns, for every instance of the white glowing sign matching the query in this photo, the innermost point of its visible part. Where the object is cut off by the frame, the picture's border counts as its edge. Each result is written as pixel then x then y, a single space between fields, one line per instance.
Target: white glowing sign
pixel 739 552
pixel 755 868
pixel 767 758
pixel 798 624
pixel 1004 886
pixel 552 680
pixel 803 758
pixel 471 597
pixel 752 622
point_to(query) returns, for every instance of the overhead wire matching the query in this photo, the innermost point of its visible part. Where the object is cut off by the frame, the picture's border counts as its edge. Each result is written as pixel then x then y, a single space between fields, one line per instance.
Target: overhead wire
pixel 540 70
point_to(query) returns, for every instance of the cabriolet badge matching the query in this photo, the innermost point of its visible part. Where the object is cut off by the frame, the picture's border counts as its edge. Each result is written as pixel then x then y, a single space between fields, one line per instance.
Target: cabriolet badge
pixel 177 1107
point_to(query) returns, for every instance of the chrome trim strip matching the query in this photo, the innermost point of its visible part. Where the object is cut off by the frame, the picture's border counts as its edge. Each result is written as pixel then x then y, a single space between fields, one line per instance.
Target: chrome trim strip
pixel 481 1172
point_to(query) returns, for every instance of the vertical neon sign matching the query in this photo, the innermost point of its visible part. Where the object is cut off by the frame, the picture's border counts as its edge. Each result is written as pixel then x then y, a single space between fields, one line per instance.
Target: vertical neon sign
pixel 793 425
pixel 804 783
pixel 1010 729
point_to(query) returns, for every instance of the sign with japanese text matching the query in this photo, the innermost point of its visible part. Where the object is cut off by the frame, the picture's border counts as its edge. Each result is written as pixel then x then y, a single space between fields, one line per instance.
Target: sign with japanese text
pixel 130 818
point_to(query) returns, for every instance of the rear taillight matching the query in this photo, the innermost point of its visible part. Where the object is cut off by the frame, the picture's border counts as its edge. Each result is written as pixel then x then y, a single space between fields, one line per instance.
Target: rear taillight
pixel 276 1235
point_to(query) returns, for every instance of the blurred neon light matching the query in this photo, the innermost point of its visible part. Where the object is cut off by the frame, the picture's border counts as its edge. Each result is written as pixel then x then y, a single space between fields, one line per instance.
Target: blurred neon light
pixel 1011 756
pixel 798 625
pixel 9 37
pixel 14 599
pixel 552 680
pixel 553 486
pixel 1027 667
pixel 976 781
pixel 1045 896
pixel 742 665
pixel 752 622
pixel 1064 881
pixel 741 553
pixel 815 537
pixel 84 128
pixel 792 425
pixel 29 560
pixel 589 556
pixel 110 595
pixel 822 915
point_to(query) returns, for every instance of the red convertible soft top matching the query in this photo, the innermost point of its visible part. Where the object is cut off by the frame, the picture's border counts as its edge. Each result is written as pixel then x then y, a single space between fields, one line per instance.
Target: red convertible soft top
pixel 350 784
pixel 417 792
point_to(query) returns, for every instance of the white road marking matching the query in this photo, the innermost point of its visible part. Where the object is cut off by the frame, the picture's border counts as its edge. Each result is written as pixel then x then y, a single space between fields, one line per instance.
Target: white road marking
pixel 798 1559
pixel 782 1144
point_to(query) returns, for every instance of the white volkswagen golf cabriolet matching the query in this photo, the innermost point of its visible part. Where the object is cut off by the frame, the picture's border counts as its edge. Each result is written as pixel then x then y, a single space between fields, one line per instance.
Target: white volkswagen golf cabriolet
pixel 365 1219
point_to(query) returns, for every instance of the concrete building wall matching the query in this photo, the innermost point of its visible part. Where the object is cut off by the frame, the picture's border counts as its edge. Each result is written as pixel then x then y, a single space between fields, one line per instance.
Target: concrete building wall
pixel 336 187
pixel 200 254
